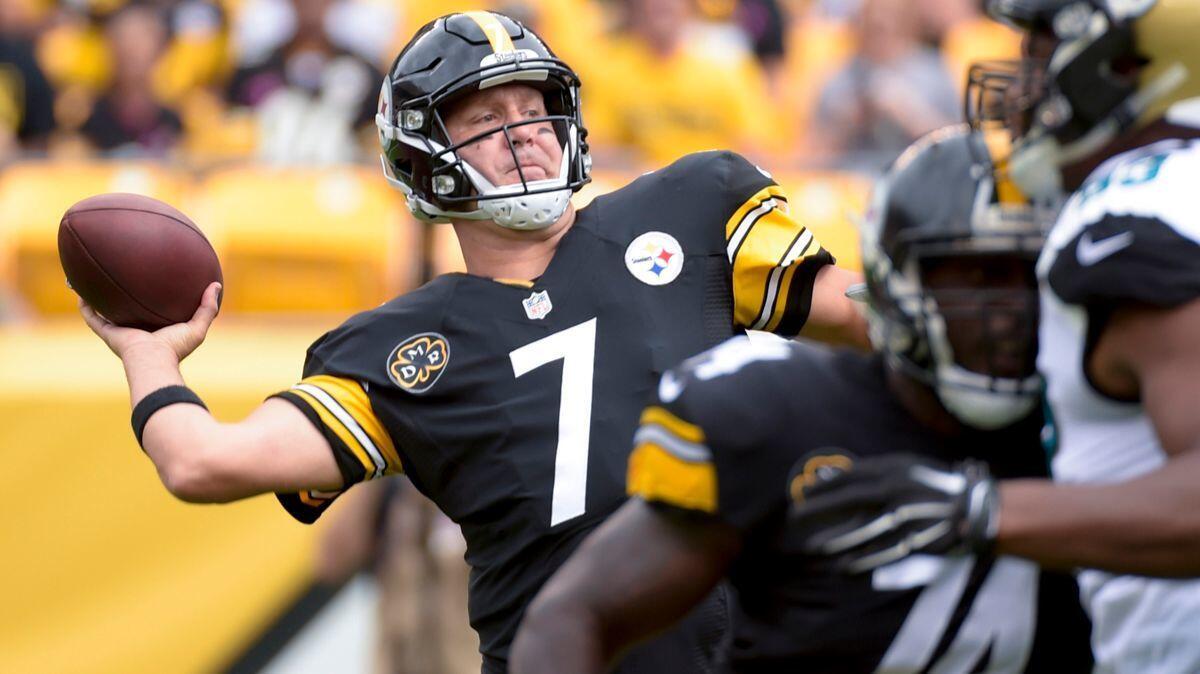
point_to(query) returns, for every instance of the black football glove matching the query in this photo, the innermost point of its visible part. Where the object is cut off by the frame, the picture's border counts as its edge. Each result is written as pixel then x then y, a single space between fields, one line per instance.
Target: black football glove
pixel 882 509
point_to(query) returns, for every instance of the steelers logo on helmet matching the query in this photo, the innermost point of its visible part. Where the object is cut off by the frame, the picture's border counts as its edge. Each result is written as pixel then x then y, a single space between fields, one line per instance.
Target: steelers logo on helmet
pixel 654 258
pixel 416 363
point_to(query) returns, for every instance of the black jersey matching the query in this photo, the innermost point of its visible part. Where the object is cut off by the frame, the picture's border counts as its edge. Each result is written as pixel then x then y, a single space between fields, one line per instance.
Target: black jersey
pixel 726 439
pixel 513 406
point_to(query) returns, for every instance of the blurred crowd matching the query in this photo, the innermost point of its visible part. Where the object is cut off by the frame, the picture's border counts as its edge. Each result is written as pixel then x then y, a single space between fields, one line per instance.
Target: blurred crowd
pixel 843 84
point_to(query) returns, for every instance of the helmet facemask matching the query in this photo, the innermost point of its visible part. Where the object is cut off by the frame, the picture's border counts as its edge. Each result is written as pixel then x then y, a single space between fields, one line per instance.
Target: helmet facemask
pixel 982 336
pixel 1097 86
pixel 1001 95
pixel 957 308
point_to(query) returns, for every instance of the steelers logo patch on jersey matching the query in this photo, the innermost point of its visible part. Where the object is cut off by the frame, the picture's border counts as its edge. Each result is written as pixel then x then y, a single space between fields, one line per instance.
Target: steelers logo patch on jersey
pixel 654 258
pixel 819 466
pixel 418 361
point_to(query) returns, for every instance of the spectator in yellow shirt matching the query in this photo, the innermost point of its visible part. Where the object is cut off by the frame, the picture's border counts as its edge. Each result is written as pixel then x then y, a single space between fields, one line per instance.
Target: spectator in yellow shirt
pixel 661 92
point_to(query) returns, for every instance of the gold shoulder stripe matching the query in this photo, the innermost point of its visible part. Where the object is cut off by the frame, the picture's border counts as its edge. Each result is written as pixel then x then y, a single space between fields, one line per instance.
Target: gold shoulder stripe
pixel 685 430
pixel 495 31
pixel 767 251
pixel 657 475
pixel 775 292
pixel 743 217
pixel 350 395
pixel 776 313
pixel 339 429
pixel 347 401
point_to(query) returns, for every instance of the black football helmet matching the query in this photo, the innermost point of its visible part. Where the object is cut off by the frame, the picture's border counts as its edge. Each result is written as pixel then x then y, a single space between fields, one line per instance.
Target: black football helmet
pixel 1115 65
pixel 941 201
pixel 452 57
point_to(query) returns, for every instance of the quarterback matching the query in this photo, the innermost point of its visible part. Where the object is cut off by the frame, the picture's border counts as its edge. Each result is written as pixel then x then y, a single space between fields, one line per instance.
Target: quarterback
pixel 739 434
pixel 509 394
pixel 1114 121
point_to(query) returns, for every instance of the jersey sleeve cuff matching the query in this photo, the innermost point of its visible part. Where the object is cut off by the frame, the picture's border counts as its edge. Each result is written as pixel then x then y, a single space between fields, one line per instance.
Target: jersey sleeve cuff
pixel 308 506
pixel 348 465
pixel 800 293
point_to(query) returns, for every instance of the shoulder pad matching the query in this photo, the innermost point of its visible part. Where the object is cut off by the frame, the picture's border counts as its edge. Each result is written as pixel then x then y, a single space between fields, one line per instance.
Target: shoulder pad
pixel 1157 181
pixel 1131 233
pixel 733 379
pixel 1126 258
pixel 692 198
pixel 728 173
pixel 722 433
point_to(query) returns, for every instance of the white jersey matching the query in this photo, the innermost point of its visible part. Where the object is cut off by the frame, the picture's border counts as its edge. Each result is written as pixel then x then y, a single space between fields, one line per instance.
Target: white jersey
pixel 1131 234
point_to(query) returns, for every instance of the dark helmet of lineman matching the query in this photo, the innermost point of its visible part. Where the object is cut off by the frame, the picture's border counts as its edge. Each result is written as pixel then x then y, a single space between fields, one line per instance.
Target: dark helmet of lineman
pixel 452 57
pixel 1116 65
pixel 941 201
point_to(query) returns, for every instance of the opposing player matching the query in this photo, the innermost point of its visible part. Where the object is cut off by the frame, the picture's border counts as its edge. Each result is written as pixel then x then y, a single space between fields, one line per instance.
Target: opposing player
pixel 740 433
pixel 1116 125
pixel 508 395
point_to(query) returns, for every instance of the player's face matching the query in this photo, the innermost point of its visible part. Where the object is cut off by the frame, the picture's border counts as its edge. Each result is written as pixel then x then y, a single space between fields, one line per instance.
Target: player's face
pixel 989 303
pixel 535 151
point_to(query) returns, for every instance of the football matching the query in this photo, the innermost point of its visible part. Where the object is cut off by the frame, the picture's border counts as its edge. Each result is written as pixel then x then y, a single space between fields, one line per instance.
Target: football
pixel 137 261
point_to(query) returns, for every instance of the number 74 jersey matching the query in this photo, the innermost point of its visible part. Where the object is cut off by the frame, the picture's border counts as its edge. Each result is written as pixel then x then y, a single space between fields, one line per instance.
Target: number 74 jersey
pixel 736 435
pixel 513 405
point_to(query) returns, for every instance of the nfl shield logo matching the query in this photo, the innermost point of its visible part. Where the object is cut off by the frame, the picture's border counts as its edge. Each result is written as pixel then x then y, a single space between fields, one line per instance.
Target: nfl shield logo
pixel 537 305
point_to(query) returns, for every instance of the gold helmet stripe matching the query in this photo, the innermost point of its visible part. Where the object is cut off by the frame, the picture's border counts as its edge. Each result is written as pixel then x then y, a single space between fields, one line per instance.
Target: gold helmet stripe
pixel 495 31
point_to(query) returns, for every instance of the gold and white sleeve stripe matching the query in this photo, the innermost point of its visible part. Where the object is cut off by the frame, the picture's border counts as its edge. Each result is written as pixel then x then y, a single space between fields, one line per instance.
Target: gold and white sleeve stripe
pixel 670 463
pixel 766 247
pixel 348 421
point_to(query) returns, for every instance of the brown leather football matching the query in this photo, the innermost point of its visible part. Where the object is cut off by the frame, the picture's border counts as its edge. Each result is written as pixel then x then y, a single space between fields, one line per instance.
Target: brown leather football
pixel 137 261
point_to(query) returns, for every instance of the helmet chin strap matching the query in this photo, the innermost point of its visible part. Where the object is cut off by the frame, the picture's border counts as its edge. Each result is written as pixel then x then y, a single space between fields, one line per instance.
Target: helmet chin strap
pixel 965 395
pixel 1034 169
pixel 977 400
pixel 521 211
pixel 524 212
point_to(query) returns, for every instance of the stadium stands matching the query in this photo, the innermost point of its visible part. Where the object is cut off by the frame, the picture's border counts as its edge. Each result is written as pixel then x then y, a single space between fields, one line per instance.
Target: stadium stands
pixel 104 570
pixel 33 197
pixel 307 240
pixel 829 203
pixel 303 241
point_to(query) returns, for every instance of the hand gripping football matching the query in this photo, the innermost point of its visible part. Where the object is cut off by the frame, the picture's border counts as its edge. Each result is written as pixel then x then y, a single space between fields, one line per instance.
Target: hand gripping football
pixel 137 261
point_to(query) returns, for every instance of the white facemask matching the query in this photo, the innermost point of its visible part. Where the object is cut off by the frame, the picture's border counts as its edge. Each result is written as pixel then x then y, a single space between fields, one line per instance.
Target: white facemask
pixel 523 211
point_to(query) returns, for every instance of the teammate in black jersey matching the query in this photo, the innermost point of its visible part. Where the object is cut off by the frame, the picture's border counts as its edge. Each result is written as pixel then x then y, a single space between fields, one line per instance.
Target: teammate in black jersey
pixel 741 432
pixel 510 394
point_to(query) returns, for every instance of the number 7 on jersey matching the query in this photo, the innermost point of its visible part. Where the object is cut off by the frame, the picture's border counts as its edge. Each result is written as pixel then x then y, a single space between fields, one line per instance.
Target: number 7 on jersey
pixel 576 346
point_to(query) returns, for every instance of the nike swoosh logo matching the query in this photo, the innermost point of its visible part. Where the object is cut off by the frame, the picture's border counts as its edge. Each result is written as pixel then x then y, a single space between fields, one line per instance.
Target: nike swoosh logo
pixel 1089 252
